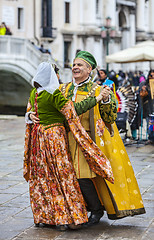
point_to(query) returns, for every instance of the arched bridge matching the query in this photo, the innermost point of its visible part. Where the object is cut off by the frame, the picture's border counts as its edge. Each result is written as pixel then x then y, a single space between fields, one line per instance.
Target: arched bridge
pixel 18 63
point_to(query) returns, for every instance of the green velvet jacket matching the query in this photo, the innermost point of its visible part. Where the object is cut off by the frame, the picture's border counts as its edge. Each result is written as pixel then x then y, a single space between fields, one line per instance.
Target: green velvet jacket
pixel 49 106
pixel 108 111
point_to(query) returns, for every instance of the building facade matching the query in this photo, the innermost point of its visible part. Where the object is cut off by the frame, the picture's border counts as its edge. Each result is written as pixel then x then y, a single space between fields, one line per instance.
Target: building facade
pixel 64 26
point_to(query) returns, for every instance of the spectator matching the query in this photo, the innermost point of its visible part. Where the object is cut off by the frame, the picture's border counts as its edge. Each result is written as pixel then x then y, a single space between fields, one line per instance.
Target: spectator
pixel 135 79
pixel 104 80
pixel 8 32
pixel 57 73
pixel 42 49
pixel 141 77
pixel 2 29
pixel 137 120
pixel 145 98
pixel 112 77
pixel 130 77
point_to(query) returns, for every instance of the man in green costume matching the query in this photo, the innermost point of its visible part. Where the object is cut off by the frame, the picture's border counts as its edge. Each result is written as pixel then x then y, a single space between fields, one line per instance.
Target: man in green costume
pixel 81 87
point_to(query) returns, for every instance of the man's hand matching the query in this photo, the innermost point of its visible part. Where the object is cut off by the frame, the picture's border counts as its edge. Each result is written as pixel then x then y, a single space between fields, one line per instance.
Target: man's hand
pixel 104 95
pixel 33 117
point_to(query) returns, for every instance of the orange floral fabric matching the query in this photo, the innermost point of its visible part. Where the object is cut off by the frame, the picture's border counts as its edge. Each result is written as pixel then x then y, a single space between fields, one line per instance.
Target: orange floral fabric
pixel 55 194
pixel 97 161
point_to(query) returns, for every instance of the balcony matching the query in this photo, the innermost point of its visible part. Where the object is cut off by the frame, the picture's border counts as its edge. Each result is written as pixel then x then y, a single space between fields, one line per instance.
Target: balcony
pixel 49 33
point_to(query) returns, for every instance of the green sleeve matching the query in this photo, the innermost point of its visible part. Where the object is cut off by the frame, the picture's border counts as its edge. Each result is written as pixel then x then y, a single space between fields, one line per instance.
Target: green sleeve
pixel 80 107
pixel 108 111
pixel 59 99
pixel 85 105
pixel 32 97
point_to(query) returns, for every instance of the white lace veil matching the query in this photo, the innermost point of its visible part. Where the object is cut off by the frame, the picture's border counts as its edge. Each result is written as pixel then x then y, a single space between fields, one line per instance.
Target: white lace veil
pixel 46 77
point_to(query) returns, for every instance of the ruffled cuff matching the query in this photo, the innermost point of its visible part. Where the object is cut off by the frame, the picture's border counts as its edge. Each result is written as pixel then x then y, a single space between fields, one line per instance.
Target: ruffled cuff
pixel 107 101
pixel 27 119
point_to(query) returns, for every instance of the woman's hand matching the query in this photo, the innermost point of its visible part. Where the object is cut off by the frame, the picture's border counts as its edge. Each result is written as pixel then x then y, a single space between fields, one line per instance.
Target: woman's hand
pixel 33 117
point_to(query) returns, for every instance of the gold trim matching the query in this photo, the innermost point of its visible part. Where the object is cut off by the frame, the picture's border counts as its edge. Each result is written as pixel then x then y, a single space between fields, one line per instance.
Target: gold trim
pixel 85 61
pixel 91 122
pixel 53 125
pixel 126 213
pixel 92 91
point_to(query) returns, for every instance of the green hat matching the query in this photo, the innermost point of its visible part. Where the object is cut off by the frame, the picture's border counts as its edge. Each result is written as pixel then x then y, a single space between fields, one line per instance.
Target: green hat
pixel 87 57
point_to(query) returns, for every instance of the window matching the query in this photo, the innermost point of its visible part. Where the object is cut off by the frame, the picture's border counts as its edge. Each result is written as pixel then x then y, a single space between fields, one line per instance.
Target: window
pixel 67 11
pixel 97 7
pixel 44 13
pixel 67 52
pixel 47 18
pixel 122 20
pixel 20 18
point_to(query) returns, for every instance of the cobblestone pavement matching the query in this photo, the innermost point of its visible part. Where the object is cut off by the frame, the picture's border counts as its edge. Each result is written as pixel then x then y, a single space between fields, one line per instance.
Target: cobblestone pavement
pixel 16 220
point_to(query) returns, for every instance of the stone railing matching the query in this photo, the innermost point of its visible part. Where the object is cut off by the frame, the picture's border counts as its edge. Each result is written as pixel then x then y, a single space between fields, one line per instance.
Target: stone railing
pixel 18 54
pixel 22 57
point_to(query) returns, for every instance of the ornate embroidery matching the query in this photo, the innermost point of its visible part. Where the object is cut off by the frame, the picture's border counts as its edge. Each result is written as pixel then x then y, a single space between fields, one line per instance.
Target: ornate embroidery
pixel 100 127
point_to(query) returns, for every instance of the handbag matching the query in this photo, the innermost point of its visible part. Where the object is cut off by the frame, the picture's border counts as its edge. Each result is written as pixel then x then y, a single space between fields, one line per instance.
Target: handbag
pixel 143 92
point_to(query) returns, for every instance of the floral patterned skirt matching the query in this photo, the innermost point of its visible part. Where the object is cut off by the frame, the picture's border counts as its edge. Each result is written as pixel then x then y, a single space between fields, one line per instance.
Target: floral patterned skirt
pixel 55 194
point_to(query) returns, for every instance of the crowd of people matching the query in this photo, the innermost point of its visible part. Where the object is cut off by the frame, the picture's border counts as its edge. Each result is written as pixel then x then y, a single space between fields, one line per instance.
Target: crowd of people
pixel 141 87
pixel 73 163
pixel 4 29
pixel 120 78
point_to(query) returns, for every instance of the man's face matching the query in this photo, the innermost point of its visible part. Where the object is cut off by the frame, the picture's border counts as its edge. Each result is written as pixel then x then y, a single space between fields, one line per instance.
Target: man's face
pixel 102 75
pixel 80 70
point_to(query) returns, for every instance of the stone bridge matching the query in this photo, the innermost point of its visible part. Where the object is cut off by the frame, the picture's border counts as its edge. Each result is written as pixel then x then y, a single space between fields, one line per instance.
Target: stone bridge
pixel 18 63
